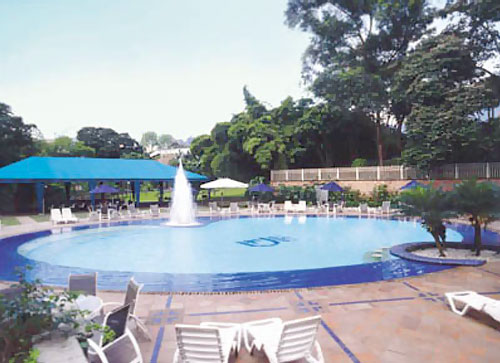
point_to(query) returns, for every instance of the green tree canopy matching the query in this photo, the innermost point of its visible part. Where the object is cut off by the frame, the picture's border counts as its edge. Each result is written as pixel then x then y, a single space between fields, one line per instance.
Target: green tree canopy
pixel 108 143
pixel 65 146
pixel 17 139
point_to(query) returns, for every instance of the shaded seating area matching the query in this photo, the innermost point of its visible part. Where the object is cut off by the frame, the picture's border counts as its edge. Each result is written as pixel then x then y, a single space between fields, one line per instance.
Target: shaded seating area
pixel 41 171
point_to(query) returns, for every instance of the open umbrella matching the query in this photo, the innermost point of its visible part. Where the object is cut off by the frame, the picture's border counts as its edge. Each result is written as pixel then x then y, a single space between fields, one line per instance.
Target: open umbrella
pixel 261 188
pixel 223 183
pixel 412 185
pixel 332 187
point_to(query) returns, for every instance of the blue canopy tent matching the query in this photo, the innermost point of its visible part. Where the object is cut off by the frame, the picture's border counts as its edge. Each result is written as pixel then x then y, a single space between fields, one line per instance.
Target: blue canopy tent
pixel 41 170
pixel 412 185
pixel 332 187
pixel 261 188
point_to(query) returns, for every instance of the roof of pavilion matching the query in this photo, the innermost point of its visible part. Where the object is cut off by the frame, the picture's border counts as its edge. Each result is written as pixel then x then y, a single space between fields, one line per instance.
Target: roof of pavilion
pixel 52 169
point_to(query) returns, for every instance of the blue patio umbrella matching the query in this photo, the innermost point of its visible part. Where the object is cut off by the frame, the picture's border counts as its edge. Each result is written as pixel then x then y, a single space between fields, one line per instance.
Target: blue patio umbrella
pixel 104 188
pixel 261 188
pixel 332 187
pixel 412 185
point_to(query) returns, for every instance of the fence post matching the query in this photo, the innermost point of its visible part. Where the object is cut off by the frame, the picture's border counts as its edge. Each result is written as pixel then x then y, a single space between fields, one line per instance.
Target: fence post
pixel 456 171
pixel 338 174
pixel 488 173
pixel 286 175
pixel 357 173
pixel 319 174
pixel 378 172
pixel 302 174
pixel 401 172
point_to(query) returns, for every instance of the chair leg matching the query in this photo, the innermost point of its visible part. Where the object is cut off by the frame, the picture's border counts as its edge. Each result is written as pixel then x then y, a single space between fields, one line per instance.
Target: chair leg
pixel 142 327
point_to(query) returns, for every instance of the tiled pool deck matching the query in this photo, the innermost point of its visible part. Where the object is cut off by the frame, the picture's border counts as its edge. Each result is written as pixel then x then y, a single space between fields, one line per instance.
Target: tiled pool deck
pixel 403 320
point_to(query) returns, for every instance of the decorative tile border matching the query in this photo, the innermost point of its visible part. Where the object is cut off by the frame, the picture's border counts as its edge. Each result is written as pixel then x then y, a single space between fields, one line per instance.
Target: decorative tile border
pixel 405 251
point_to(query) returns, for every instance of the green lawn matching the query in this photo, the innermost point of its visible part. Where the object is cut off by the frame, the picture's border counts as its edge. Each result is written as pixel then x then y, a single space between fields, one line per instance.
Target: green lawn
pixel 41 217
pixel 9 221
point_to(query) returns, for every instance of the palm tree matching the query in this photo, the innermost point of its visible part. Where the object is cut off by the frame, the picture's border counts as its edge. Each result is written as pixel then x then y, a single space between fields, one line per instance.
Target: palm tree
pixel 480 202
pixel 433 206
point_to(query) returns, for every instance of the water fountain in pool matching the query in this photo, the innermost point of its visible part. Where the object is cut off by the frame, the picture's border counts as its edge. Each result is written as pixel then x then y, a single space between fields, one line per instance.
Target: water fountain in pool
pixel 182 209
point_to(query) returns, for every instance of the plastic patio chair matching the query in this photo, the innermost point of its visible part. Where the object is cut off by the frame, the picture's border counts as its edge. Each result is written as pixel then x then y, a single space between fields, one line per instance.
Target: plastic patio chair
pixel 154 210
pixel 284 341
pixel 68 216
pixel 131 298
pixel 123 348
pixel 56 216
pixel 208 342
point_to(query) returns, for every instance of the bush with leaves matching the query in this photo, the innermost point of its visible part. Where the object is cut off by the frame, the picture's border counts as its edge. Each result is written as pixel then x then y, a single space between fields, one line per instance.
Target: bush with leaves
pixel 480 203
pixel 434 207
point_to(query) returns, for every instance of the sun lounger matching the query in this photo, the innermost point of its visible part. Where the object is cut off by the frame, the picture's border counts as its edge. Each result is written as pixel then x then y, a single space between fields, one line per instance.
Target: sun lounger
pixel 288 206
pixel 472 300
pixel 208 342
pixel 56 216
pixel 301 207
pixel 284 341
pixel 154 210
pixel 68 216
pixel 133 212
pixel 233 208
pixel 363 208
pixel 214 209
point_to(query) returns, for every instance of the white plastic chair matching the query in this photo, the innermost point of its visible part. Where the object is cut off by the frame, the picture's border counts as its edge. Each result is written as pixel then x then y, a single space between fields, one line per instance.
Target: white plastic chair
pixel 386 207
pixel 56 216
pixel 154 210
pixel 233 208
pixel 363 208
pixel 123 348
pixel 213 207
pixel 68 216
pixel 302 206
pixel 133 212
pixel 284 341
pixel 208 342
pixel 288 207
pixel 471 299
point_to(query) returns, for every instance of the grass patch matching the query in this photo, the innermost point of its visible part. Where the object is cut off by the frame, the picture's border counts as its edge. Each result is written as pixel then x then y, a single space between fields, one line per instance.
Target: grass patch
pixel 41 217
pixel 9 221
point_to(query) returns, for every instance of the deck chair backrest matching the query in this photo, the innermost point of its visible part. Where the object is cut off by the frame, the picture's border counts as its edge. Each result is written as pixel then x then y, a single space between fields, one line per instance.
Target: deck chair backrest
pixel 302 204
pixel 363 207
pixel 288 205
pixel 117 320
pixel 55 214
pixel 132 294
pixel 155 209
pixel 83 283
pixel 386 206
pixel 66 213
pixel 297 338
pixel 131 208
pixel 199 344
pixel 233 207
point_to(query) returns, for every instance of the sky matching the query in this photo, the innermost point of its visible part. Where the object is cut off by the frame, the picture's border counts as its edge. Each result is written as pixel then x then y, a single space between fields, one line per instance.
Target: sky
pixel 167 66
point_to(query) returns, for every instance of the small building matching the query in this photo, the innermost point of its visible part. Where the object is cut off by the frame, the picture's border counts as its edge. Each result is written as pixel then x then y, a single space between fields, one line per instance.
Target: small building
pixel 167 155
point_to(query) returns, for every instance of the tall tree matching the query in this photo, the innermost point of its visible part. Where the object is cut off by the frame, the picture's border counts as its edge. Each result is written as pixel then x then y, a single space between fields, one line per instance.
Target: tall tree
pixel 65 146
pixel 354 50
pixel 108 143
pixel 444 88
pixel 17 139
pixel 165 140
pixel 149 140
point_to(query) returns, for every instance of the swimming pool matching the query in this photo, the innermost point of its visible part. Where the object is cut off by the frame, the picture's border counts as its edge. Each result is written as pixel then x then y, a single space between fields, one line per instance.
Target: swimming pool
pixel 224 254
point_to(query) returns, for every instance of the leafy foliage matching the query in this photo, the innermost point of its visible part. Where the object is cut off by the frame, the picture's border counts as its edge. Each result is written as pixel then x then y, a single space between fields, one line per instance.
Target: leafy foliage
pixel 107 143
pixel 480 202
pixel 433 206
pixel 17 139
pixel 65 146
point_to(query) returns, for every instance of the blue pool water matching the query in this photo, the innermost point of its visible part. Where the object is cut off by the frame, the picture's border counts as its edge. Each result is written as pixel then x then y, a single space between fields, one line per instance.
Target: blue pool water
pixel 226 246
pixel 229 254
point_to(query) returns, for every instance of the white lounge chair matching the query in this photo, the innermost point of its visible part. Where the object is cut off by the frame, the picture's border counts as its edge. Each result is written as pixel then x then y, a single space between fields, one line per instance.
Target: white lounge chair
pixel 386 207
pixel 56 216
pixel 363 208
pixel 154 210
pixel 123 348
pixel 208 342
pixel 94 215
pixel 114 214
pixel 301 207
pixel 233 208
pixel 284 341
pixel 213 207
pixel 68 216
pixel 133 212
pixel 131 299
pixel 471 299
pixel 288 206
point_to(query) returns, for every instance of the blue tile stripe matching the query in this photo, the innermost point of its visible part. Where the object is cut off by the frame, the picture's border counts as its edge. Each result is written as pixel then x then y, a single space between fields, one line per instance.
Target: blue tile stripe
pixel 340 342
pixel 490 272
pixel 237 311
pixel 372 301
pixel 411 286
pixel 159 337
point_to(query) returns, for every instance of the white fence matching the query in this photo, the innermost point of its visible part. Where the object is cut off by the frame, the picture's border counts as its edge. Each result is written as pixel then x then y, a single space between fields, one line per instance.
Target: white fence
pixel 447 172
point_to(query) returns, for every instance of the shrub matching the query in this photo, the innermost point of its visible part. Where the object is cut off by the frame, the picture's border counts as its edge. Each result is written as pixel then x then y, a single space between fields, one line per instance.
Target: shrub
pixel 359 162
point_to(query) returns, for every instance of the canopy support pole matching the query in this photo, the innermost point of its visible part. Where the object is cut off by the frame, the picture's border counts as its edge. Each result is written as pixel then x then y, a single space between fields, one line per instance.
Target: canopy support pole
pixel 39 190
pixel 137 192
pixel 67 187
pixel 161 193
pixel 92 185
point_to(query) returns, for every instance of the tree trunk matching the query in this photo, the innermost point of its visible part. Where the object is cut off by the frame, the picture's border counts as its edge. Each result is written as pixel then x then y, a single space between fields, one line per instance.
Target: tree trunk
pixel 477 237
pixel 435 235
pixel 379 140
pixel 399 142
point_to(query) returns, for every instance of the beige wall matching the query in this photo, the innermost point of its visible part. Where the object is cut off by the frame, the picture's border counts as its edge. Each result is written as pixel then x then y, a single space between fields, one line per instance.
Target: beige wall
pixel 366 186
